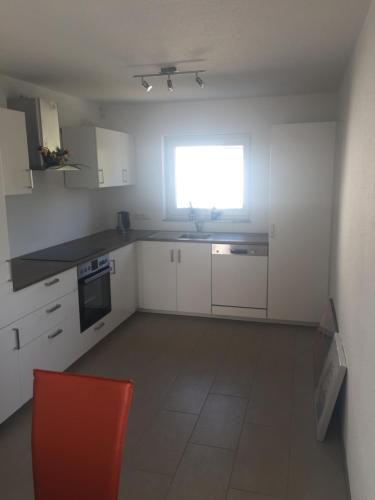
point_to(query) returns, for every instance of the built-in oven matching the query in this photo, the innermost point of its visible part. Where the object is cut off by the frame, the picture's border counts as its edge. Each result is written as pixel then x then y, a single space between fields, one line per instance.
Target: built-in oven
pixel 94 291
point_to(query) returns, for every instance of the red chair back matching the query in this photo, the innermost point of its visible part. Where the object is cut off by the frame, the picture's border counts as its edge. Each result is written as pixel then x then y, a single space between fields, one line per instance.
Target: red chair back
pixel 78 430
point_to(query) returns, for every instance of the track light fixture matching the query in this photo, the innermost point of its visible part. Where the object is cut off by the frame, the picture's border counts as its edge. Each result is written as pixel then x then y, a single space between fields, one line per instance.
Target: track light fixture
pixel 199 80
pixel 170 71
pixel 170 84
pixel 146 85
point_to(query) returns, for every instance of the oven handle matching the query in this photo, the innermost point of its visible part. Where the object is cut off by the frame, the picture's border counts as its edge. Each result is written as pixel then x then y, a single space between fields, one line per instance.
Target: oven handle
pixel 96 276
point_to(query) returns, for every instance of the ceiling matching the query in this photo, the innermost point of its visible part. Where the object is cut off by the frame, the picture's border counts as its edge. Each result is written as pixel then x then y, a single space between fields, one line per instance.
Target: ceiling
pixel 249 47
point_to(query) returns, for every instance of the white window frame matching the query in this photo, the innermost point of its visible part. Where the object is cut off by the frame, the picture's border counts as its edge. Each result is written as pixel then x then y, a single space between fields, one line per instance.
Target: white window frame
pixel 171 211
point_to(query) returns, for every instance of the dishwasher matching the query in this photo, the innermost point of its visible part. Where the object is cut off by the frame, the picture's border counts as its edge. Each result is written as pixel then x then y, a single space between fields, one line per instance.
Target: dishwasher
pixel 239 280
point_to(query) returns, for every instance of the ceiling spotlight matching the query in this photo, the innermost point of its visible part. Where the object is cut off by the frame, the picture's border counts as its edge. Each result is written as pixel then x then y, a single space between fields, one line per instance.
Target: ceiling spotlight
pixel 199 80
pixel 170 84
pixel 146 85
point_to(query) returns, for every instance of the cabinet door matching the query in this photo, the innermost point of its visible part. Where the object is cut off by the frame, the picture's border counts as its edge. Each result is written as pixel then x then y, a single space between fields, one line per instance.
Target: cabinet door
pixel 111 152
pixel 128 161
pixel 123 283
pixel 301 172
pixel 10 389
pixel 14 154
pixel 157 275
pixel 4 241
pixel 194 278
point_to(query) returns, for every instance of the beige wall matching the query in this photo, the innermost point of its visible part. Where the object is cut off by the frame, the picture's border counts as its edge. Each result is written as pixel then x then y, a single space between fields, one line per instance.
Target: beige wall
pixel 149 122
pixel 53 214
pixel 353 259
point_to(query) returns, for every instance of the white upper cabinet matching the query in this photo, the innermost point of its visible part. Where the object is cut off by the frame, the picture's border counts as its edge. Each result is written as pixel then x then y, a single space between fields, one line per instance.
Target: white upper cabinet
pixel 301 172
pixel 14 157
pixel 107 156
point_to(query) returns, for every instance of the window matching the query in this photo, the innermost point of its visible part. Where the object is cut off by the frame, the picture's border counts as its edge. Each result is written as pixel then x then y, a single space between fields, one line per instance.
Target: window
pixel 207 173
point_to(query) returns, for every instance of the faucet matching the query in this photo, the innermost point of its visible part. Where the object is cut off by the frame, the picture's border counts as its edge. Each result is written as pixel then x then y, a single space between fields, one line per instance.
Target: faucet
pixel 194 216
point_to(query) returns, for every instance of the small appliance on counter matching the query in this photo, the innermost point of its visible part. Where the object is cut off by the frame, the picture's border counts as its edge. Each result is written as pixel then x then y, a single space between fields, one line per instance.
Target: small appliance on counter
pixel 123 221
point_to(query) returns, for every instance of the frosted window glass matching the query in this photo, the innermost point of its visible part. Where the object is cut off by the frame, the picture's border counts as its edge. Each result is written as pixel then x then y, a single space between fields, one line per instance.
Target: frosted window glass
pixel 209 176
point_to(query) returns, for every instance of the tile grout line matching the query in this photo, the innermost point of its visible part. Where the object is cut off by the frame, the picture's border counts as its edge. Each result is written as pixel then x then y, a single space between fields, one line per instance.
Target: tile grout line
pixel 293 386
pixel 260 354
pixel 188 441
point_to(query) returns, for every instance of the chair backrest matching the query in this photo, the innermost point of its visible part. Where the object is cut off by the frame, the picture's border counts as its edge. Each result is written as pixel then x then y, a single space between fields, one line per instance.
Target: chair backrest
pixel 78 430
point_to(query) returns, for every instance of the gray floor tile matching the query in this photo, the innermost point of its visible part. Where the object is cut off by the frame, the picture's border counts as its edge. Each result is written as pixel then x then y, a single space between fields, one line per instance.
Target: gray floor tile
pixel 202 475
pixel 140 485
pixel 220 422
pixel 189 391
pixel 181 361
pixel 163 443
pixel 262 461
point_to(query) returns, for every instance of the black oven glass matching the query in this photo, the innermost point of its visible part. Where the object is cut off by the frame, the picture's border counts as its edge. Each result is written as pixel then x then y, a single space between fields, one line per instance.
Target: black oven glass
pixel 94 298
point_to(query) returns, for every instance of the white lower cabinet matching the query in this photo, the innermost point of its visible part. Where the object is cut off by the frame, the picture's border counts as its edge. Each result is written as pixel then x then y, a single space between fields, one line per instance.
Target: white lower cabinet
pixel 194 278
pixel 55 350
pixel 123 283
pixel 175 277
pixel 10 388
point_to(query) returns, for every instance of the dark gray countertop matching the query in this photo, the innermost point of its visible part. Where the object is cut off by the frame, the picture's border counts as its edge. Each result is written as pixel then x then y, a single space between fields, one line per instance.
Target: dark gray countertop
pixel 28 272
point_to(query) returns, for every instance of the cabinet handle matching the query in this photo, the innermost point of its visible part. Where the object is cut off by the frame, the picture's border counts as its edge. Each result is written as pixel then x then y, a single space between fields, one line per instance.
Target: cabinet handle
pixel 113 266
pixel 179 255
pixel 125 175
pixel 172 255
pixel 18 342
pixel 55 334
pixel 98 327
pixel 273 230
pixel 101 176
pixel 31 185
pixel 52 282
pixel 53 309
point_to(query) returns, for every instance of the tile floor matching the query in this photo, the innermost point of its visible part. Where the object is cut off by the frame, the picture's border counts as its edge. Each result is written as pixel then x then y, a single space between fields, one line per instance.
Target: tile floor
pixel 222 411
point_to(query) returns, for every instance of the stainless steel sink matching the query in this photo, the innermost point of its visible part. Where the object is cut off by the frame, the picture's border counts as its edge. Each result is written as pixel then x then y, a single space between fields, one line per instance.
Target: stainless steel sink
pixel 194 236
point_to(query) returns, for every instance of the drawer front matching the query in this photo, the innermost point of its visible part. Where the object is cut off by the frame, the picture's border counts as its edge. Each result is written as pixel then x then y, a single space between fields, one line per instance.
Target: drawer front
pixel 35 324
pixel 54 350
pixel 9 341
pixel 18 304
pixel 97 332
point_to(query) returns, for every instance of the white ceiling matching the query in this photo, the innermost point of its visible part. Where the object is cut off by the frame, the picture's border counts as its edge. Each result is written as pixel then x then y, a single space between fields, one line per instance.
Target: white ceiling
pixel 91 48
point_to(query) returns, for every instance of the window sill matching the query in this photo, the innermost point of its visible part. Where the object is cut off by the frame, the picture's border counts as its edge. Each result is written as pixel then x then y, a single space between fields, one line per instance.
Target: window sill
pixel 208 221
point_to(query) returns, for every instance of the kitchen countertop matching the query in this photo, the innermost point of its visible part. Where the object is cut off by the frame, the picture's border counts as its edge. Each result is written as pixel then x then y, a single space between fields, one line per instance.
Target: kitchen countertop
pixel 28 272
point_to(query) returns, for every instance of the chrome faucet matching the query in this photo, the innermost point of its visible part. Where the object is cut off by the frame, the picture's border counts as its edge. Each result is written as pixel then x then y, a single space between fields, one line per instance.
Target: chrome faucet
pixel 194 216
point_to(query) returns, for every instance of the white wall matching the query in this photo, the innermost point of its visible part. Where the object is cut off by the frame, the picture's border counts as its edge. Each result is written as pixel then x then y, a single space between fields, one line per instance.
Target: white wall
pixel 353 259
pixel 149 122
pixel 53 214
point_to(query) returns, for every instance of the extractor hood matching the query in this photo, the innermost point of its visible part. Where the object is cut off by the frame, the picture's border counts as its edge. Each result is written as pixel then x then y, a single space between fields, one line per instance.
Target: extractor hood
pixel 43 132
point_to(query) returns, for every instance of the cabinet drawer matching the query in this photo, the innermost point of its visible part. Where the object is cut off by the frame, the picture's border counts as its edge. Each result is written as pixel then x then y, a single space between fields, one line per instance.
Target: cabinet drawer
pixel 54 350
pixel 97 332
pixel 8 341
pixel 35 324
pixel 18 304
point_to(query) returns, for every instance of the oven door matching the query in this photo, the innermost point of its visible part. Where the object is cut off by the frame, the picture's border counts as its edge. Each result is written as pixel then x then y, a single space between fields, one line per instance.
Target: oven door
pixel 94 297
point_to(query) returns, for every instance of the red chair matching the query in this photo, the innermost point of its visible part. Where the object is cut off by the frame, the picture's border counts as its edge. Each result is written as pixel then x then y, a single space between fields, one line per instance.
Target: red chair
pixel 78 430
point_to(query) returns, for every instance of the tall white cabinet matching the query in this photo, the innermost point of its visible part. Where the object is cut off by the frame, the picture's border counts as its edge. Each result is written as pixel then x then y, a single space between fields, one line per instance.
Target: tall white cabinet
pixel 300 204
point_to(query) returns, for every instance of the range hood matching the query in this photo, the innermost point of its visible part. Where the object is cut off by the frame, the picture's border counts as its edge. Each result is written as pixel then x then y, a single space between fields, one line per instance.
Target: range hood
pixel 42 128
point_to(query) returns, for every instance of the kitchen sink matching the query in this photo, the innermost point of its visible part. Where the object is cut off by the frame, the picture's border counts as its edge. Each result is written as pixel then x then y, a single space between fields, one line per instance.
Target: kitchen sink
pixel 194 236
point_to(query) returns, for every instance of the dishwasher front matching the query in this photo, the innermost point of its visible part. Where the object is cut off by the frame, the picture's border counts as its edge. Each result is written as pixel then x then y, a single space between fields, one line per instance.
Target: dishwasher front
pixel 239 278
